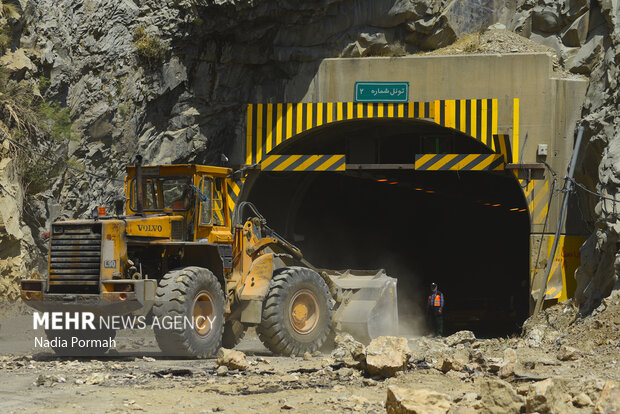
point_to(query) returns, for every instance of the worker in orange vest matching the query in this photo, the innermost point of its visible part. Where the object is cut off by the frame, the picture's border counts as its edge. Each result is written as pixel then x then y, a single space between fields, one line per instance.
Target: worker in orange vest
pixel 435 310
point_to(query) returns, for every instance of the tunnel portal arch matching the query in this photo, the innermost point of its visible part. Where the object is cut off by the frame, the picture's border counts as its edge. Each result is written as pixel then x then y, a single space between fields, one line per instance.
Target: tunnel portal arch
pixel 419 188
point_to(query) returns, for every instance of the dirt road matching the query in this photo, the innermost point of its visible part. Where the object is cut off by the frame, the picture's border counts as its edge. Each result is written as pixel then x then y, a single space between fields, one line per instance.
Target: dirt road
pixel 473 376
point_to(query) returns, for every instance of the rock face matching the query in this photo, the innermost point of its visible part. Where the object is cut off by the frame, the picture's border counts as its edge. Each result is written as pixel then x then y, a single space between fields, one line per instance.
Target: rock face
pixel 409 401
pixel 586 35
pixel 170 80
pixel 16 242
pixel 386 355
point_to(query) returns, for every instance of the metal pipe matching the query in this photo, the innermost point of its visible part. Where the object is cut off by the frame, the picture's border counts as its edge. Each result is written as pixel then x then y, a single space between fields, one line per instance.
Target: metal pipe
pixel 568 186
pixel 139 186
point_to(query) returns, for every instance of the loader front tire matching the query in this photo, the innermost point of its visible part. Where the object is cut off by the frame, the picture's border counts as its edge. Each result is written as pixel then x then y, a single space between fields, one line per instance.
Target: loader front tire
pixel 297 312
pixel 189 294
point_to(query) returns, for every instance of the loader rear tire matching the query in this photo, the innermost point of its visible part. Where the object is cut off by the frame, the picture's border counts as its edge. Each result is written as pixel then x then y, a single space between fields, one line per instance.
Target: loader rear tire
pixel 297 312
pixel 189 294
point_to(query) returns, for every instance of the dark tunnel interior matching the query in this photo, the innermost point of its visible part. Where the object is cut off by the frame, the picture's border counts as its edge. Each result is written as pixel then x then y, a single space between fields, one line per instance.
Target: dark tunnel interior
pixel 466 231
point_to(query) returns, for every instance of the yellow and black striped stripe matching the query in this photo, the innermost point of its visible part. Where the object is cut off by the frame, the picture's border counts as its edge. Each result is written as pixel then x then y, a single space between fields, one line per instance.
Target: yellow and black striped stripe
pixel 537 196
pixel 268 125
pixel 459 162
pixel 233 190
pixel 304 163
pixel 475 117
pixel 502 146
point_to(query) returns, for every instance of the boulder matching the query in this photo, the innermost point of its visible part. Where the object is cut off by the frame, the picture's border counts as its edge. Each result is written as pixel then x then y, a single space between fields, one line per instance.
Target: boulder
pixel 523 24
pixel 547 397
pixel 386 355
pixel 575 34
pixel 587 56
pixel 409 401
pixel 582 400
pixel 463 410
pixel 609 401
pixel 367 44
pixel 567 353
pixel 460 337
pixel 348 351
pixel 442 35
pixel 449 364
pixel 498 397
pixel 402 11
pixel 546 19
pixel 232 359
pixel 509 363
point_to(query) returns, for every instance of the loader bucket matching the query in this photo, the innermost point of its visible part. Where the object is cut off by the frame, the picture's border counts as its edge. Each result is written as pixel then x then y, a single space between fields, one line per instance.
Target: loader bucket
pixel 366 303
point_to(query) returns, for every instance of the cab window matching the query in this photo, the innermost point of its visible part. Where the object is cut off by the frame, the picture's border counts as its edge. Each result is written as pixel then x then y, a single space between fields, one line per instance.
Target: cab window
pixel 164 192
pixel 218 203
pixel 205 202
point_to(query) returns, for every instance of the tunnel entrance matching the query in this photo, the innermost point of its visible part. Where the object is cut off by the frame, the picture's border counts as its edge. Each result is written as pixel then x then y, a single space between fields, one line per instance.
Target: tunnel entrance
pixel 466 231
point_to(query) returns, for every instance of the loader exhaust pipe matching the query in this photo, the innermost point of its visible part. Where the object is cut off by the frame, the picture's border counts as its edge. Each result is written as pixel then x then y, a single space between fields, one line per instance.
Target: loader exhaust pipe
pixel 139 186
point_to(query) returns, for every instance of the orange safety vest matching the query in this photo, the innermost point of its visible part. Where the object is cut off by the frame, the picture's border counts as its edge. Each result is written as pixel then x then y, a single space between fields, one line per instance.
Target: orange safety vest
pixel 436 302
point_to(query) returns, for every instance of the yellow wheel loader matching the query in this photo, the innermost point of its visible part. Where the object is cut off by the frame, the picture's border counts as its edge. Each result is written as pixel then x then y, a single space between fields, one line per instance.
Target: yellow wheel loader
pixel 173 248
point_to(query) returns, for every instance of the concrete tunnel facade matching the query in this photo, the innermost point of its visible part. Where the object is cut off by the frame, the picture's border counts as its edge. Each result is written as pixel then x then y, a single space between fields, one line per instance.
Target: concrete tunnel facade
pixel 450 186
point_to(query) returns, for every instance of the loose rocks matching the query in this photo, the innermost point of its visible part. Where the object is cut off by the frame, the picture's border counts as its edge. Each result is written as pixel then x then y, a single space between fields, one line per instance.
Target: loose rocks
pixel 547 396
pixel 498 397
pixel 349 351
pixel 566 353
pixel 405 400
pixel 609 401
pixel 509 363
pixel 232 359
pixel 461 337
pixel 386 355
pixel 449 364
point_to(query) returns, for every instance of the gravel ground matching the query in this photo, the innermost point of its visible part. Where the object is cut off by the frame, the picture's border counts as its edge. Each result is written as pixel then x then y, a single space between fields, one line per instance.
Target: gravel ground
pixel 130 380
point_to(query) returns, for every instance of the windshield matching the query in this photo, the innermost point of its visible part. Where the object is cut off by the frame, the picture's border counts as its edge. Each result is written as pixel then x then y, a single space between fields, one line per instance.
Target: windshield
pixel 173 192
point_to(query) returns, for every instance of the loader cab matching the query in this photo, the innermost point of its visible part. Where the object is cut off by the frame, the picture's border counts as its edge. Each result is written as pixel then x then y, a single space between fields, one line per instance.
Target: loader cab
pixel 194 192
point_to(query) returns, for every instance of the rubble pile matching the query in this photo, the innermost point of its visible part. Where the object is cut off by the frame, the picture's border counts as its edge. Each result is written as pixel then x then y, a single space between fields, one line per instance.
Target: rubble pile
pixel 457 374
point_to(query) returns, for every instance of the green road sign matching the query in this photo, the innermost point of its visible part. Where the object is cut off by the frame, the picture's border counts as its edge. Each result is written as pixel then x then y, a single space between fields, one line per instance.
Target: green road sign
pixel 381 91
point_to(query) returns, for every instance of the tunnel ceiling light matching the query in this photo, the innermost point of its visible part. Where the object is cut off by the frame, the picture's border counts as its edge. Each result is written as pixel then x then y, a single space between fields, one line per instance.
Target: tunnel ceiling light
pixel 430 191
pixel 486 204
pixel 514 209
pixel 394 182
pixel 496 205
pixel 419 189
pixel 522 210
pixel 382 180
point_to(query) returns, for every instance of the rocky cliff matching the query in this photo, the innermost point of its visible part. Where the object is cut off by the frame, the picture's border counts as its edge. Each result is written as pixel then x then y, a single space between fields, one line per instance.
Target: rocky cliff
pixel 169 79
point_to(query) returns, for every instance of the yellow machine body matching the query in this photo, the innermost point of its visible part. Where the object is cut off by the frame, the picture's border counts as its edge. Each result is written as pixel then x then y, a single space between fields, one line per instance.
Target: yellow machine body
pixel 112 263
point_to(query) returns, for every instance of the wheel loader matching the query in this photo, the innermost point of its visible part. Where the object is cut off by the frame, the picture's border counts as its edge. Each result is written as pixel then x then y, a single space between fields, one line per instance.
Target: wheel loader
pixel 173 248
